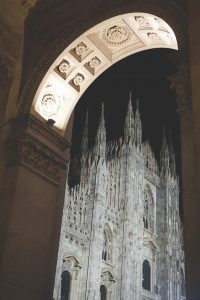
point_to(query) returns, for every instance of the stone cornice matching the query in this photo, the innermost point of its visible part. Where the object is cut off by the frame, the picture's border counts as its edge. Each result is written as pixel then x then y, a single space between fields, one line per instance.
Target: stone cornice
pixel 36 157
pixel 38 148
pixel 47 133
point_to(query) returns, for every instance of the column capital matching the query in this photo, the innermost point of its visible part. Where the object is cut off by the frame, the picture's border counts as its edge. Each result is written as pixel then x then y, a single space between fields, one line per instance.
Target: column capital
pixel 180 81
pixel 37 147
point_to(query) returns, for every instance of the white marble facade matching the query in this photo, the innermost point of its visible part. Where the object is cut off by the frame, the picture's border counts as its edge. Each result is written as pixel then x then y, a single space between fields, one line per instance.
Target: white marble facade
pixel 121 236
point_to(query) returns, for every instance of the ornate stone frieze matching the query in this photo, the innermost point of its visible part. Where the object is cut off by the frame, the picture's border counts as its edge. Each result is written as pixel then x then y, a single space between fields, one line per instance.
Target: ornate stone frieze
pixel 37 147
pixel 46 132
pixel 36 157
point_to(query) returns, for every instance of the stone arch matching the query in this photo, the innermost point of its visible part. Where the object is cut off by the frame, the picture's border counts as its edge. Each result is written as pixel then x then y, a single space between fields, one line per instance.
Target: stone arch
pixel 123 7
pixel 91 54
pixel 146 271
pixel 170 12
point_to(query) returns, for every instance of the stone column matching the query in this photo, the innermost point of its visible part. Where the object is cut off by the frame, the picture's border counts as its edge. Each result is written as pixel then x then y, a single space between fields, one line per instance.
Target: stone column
pixel 32 196
pixel 189 158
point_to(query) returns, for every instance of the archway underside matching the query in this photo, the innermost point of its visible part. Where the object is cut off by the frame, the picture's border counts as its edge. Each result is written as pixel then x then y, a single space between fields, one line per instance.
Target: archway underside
pixel 90 55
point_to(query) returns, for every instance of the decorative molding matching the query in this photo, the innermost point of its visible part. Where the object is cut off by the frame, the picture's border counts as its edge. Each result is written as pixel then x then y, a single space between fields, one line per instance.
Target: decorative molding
pixel 34 155
pixel 48 133
pixel 173 12
pixel 116 35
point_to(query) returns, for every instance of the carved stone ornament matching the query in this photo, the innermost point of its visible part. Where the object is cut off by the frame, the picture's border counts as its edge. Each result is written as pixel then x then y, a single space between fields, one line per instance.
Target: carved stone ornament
pixel 117 35
pixel 107 277
pixel 143 23
pixel 46 133
pixel 78 79
pixel 72 264
pixel 161 24
pixel 37 157
pixel 154 37
pixel 94 62
pixel 81 49
pixel 64 66
pixel 49 105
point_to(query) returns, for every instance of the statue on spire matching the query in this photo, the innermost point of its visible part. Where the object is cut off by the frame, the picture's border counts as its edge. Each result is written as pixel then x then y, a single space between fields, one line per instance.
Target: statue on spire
pixel 100 140
pixel 84 139
pixel 129 123
pixel 164 156
pixel 138 126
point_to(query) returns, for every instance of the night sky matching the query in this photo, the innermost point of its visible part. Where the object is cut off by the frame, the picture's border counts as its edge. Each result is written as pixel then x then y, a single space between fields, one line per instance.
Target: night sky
pixel 145 74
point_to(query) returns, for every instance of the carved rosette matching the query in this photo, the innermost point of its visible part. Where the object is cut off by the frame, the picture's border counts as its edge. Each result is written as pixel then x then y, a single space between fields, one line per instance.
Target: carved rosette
pixel 117 35
pixel 94 62
pixel 154 37
pixel 143 23
pixel 77 81
pixel 49 105
pixel 63 69
pixel 80 51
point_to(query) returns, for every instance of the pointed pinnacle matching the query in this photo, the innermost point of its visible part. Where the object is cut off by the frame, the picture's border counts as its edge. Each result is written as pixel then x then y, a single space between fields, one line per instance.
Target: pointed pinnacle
pixel 129 123
pixel 84 139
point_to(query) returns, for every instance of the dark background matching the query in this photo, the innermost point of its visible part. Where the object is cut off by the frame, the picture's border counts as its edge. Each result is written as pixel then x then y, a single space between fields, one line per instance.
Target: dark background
pixel 145 74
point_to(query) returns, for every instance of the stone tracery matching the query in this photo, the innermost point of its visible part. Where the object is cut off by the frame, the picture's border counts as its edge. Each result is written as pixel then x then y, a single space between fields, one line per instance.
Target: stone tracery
pixel 122 215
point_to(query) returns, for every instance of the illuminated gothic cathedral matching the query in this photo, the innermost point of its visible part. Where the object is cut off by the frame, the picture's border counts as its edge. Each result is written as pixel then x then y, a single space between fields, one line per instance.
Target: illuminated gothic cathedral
pixel 121 236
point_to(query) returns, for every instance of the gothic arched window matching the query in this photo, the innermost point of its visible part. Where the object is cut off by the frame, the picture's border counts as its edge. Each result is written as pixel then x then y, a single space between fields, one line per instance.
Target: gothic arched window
pixel 146 272
pixel 103 292
pixel 65 285
pixel 148 214
pixel 106 252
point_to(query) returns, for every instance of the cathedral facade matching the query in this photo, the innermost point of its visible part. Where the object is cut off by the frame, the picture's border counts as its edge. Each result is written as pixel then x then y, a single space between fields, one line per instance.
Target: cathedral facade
pixel 121 235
